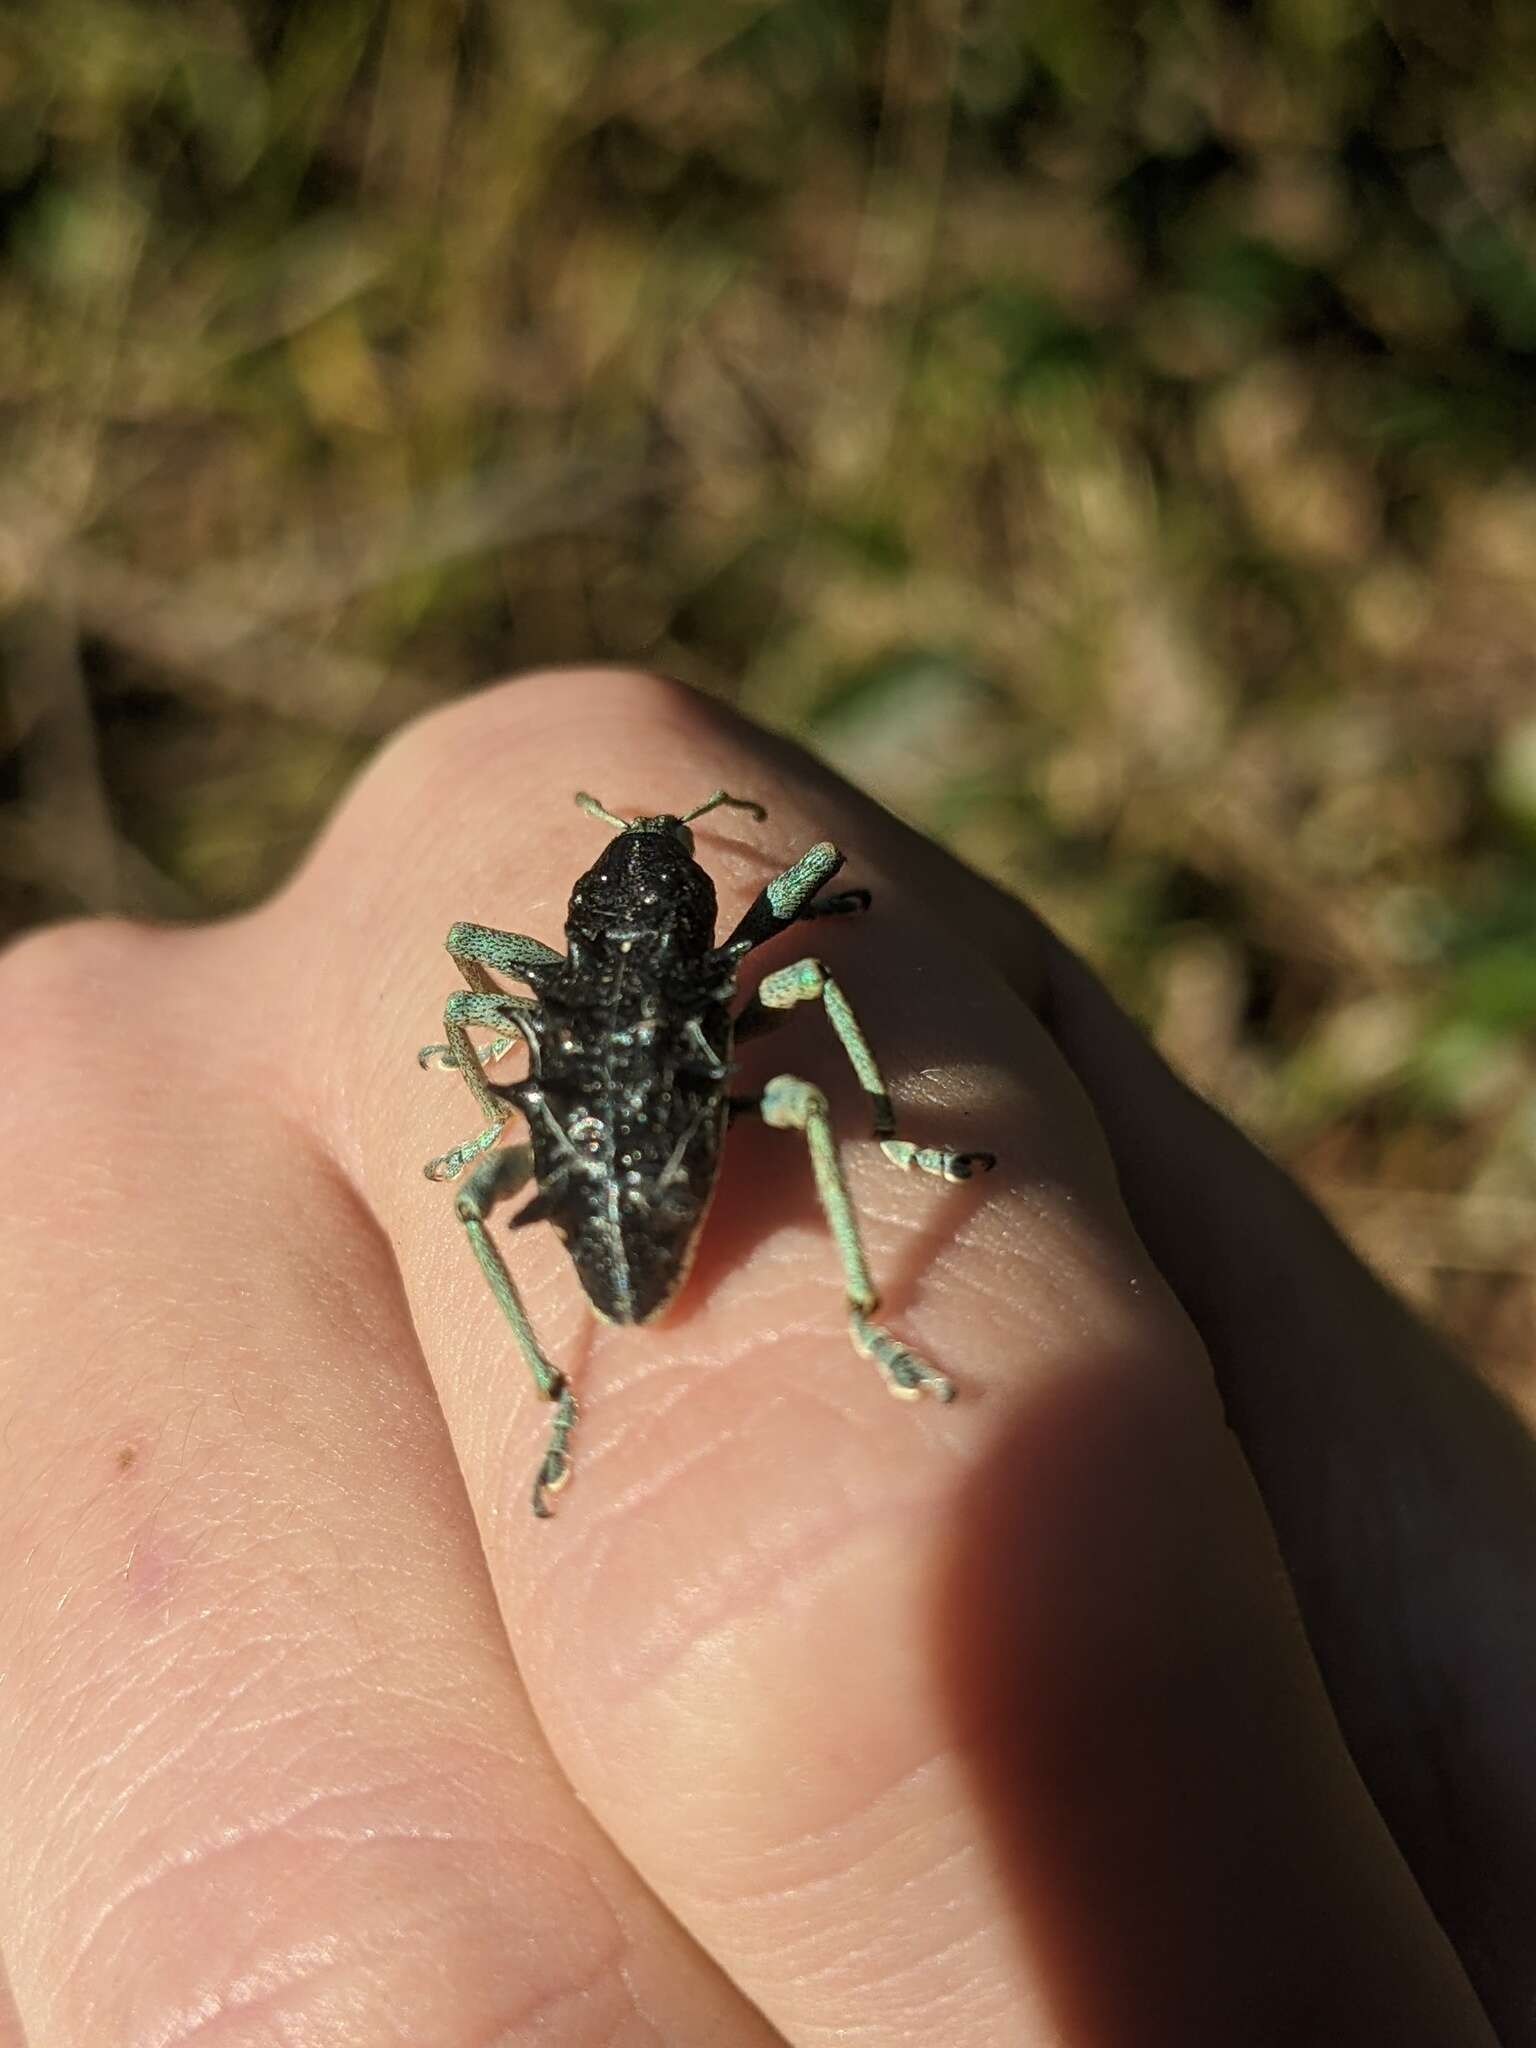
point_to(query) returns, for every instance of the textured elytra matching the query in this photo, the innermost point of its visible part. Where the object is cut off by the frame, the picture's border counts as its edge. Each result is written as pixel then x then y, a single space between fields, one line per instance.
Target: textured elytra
pixel 625 1098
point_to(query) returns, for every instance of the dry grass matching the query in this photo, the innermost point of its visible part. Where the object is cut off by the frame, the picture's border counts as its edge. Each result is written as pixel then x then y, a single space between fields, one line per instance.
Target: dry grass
pixel 1112 444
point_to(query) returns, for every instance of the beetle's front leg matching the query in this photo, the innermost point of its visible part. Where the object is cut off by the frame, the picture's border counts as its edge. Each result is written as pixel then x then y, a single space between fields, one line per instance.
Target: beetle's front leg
pixel 792 1104
pixel 496 1009
pixel 790 897
pixel 808 981
pixel 475 949
pixel 495 1180
pixel 444 1059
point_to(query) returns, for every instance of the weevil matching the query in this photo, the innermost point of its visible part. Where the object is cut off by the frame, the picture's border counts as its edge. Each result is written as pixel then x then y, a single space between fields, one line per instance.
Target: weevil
pixel 630 1034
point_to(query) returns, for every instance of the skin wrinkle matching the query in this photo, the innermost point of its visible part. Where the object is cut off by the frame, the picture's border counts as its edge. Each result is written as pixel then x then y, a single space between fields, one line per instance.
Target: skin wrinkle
pixel 197 1854
pixel 889 1964
pixel 516 2031
pixel 310 1877
pixel 166 1704
pixel 688 1625
pixel 258 1680
pixel 879 1974
pixel 639 1421
pixel 878 1941
pixel 820 1846
pixel 843 1811
pixel 213 2011
pixel 640 1424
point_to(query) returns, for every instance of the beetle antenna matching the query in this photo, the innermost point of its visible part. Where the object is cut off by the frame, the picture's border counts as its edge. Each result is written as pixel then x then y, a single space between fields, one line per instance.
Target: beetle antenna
pixel 594 809
pixel 714 802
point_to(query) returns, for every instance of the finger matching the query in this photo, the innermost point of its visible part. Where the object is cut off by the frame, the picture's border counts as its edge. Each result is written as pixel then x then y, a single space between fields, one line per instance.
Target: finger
pixel 1402 1490
pixel 734 1631
pixel 271 1776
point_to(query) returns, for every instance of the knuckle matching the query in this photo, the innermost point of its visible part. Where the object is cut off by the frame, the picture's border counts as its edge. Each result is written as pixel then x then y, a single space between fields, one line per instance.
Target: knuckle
pixel 451 743
pixel 57 987
pixel 264 1934
pixel 72 997
pixel 49 967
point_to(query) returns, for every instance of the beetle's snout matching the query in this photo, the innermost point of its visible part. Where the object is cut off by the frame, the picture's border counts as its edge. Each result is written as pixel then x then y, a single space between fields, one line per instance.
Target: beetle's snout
pixel 668 827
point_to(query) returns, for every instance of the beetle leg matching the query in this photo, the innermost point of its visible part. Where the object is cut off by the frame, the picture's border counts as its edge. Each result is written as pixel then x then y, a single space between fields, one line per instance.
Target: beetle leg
pixel 474 948
pixel 443 1057
pixel 786 899
pixel 788 1103
pixel 841 905
pixel 463 1008
pixel 449 1165
pixel 808 981
pixel 756 1016
pixel 493 1181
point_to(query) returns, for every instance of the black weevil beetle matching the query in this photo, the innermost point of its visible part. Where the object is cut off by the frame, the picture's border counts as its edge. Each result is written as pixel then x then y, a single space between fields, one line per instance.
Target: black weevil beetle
pixel 629 1037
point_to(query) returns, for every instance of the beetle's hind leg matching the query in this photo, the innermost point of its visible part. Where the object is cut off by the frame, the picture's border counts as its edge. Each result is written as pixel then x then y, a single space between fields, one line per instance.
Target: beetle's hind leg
pixel 808 981
pixel 790 1104
pixel 493 1181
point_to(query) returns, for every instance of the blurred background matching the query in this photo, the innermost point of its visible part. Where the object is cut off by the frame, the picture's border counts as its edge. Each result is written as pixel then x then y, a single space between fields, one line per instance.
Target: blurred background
pixel 1104 432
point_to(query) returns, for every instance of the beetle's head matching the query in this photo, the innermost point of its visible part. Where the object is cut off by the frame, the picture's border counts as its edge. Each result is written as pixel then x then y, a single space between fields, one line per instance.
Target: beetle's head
pixel 647 879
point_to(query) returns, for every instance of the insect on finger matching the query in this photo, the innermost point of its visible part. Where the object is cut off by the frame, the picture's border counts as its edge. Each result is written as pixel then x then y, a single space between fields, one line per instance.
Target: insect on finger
pixel 630 1033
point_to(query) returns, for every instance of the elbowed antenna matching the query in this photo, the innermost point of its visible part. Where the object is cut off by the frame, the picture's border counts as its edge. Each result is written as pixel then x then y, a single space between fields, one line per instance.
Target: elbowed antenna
pixel 594 809
pixel 714 802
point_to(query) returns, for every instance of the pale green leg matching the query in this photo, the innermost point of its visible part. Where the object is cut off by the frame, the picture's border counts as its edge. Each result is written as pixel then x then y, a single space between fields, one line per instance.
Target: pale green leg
pixel 788 897
pixel 493 1181
pixel 475 949
pixel 442 1056
pixel 791 1104
pixel 463 1008
pixel 808 981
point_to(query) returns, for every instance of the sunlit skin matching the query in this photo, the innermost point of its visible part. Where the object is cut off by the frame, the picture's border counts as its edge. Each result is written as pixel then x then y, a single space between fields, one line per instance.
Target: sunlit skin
pixel 1169 1686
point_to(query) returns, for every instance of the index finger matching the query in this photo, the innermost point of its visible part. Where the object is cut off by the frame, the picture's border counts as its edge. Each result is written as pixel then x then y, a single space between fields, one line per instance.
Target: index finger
pixel 749 1632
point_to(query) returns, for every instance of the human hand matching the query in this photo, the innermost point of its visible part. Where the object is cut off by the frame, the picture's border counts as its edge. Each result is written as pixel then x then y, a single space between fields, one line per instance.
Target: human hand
pixel 809 1715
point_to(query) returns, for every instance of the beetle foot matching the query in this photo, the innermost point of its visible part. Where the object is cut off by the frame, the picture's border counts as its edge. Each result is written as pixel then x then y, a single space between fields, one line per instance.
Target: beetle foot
pixel 442 1056
pixel 449 1165
pixel 555 1470
pixel 907 1375
pixel 934 1159
pixel 846 904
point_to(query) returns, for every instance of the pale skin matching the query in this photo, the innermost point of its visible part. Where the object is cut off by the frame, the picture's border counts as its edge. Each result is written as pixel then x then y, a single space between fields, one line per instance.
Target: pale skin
pixel 811 1715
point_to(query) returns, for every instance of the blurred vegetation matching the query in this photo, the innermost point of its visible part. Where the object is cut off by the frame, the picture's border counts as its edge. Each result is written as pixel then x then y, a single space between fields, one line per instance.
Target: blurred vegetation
pixel 1104 432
